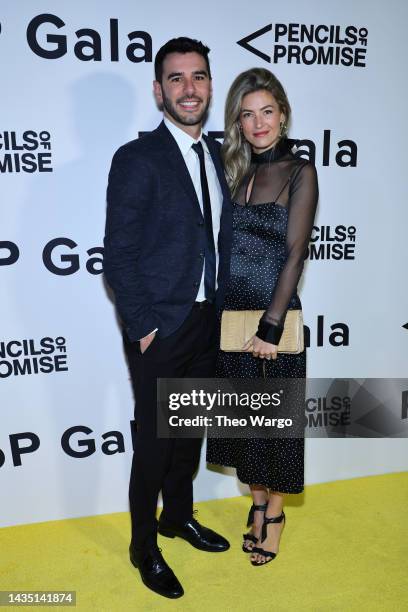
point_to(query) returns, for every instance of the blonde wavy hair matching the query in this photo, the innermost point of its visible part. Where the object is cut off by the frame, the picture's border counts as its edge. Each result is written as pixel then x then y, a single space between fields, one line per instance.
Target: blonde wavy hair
pixel 236 151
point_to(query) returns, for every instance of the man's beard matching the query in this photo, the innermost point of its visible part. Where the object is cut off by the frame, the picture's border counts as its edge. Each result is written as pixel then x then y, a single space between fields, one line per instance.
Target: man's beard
pixel 185 120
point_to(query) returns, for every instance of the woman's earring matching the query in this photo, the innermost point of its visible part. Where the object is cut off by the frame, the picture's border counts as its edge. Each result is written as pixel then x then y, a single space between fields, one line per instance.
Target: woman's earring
pixel 283 128
pixel 241 133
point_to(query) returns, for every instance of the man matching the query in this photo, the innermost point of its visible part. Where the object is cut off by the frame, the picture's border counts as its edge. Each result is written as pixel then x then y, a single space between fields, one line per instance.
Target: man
pixel 168 234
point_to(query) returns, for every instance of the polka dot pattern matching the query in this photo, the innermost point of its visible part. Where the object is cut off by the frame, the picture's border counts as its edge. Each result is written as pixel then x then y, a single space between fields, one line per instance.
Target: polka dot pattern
pixel 258 255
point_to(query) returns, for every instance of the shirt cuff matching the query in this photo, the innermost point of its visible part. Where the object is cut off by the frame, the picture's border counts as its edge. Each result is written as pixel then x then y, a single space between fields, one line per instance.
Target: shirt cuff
pixel 269 332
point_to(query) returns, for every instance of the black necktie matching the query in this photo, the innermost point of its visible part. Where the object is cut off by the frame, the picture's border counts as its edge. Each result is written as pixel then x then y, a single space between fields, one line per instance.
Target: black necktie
pixel 209 253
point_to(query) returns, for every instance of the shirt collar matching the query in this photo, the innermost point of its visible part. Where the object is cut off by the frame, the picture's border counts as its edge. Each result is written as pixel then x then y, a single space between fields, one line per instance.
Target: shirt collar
pixel 184 140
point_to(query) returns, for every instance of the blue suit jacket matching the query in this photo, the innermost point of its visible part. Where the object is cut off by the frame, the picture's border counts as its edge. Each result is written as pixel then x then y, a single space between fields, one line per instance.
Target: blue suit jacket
pixel 155 234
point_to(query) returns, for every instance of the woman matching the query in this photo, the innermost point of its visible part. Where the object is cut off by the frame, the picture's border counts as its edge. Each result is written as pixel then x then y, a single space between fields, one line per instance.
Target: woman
pixel 274 202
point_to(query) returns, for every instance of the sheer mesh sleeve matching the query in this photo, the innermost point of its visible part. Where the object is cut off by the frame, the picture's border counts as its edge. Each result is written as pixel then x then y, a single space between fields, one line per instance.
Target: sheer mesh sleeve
pixel 302 202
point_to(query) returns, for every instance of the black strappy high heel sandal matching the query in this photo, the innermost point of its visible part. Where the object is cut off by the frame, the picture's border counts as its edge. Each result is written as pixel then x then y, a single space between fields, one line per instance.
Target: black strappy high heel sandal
pixel 269 556
pixel 250 536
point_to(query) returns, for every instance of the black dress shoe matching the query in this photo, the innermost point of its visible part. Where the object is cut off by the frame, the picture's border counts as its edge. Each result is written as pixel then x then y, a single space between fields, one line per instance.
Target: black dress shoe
pixel 200 537
pixel 155 572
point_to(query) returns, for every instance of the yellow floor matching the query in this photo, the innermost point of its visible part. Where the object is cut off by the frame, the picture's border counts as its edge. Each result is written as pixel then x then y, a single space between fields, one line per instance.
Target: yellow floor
pixel 345 547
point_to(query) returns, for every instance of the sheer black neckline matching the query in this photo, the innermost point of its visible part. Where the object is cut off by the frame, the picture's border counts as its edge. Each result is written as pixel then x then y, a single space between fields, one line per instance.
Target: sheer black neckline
pixel 282 148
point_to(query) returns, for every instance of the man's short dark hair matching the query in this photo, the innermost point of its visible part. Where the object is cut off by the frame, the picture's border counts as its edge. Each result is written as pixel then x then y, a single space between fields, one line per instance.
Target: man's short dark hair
pixel 180 45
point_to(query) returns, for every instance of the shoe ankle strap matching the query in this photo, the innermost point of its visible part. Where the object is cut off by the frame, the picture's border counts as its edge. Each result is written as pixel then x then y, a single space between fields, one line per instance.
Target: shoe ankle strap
pixel 260 506
pixel 268 521
pixel 253 509
pixel 274 519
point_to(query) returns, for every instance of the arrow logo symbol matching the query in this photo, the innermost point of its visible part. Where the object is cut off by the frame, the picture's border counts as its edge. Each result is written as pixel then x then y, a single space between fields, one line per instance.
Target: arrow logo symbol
pixel 405 326
pixel 244 42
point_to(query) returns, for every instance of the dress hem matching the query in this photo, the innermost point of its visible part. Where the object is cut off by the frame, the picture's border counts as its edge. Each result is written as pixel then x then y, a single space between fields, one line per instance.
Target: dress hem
pixel 264 484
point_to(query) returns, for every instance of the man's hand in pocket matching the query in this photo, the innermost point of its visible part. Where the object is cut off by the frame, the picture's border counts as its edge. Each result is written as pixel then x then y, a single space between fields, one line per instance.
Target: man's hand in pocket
pixel 146 341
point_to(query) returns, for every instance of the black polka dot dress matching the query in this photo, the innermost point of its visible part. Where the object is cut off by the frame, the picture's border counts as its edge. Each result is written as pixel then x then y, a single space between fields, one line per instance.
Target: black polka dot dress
pixel 271 232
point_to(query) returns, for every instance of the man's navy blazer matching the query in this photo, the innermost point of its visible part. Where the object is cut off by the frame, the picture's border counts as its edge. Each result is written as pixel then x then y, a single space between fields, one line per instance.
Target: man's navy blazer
pixel 155 234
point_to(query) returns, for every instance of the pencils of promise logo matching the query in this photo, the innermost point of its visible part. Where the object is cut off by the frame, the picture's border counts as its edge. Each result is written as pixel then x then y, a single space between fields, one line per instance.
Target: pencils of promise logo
pixel 28 151
pixel 28 356
pixel 337 242
pixel 300 43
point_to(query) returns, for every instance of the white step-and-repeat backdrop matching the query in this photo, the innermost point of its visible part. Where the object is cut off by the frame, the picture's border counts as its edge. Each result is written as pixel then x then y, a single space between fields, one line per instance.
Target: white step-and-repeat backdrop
pixel 76 82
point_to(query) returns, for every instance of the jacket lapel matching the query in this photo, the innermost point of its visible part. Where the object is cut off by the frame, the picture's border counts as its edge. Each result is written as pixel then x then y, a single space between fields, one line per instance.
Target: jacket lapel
pixel 175 158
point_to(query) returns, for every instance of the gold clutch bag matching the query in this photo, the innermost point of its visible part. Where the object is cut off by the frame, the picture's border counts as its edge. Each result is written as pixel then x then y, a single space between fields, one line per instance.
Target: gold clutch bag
pixel 238 326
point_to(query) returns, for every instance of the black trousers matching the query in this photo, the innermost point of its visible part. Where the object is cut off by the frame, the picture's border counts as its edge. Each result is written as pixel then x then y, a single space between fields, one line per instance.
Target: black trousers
pixel 160 464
